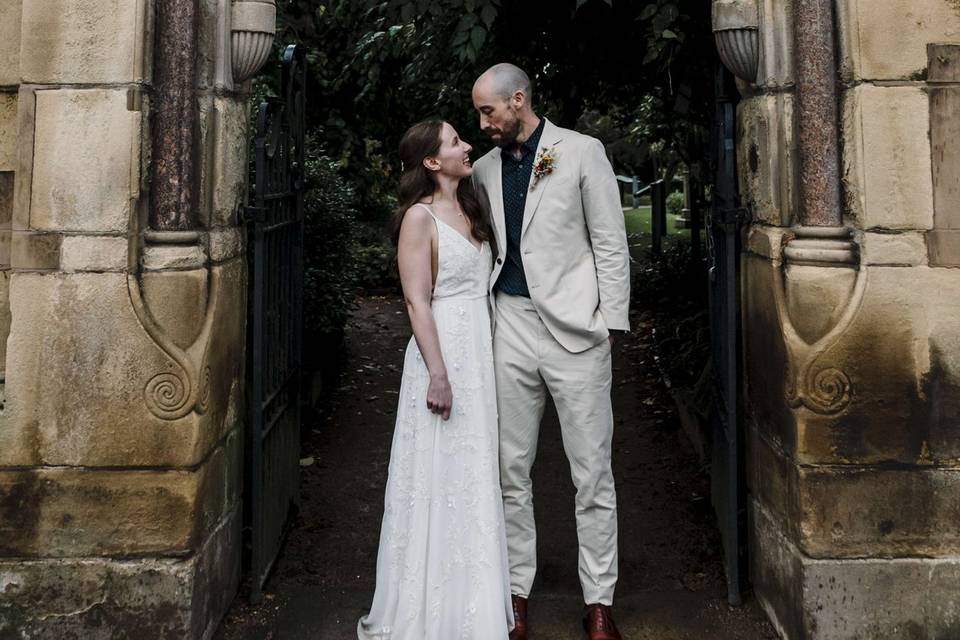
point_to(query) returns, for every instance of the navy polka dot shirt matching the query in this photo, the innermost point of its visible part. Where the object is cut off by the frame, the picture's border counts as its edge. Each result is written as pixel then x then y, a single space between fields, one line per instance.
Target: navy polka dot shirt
pixel 516 184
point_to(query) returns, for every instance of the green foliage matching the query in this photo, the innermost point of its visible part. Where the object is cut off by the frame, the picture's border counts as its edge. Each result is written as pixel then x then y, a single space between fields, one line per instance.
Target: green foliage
pixel 642 71
pixel 331 247
pixel 675 203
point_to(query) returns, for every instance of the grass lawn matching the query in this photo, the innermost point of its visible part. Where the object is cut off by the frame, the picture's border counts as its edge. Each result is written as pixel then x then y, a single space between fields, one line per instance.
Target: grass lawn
pixel 638 221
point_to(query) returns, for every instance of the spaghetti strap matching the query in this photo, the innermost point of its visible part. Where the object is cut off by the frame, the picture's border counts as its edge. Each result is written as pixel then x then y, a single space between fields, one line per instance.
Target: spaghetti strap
pixel 429 210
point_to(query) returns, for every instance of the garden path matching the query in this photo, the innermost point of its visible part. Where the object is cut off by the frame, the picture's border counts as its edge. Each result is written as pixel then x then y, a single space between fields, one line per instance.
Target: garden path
pixel 671 577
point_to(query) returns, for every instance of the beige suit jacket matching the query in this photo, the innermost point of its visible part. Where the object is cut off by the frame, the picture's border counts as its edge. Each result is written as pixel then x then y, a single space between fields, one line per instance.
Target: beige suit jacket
pixel 573 241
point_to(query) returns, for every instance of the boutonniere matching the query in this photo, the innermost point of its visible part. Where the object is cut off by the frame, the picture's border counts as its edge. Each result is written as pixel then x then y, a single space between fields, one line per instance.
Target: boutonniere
pixel 544 165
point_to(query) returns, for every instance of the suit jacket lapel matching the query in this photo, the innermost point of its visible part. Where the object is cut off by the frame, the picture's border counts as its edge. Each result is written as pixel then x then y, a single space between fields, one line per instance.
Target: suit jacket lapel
pixel 495 180
pixel 551 136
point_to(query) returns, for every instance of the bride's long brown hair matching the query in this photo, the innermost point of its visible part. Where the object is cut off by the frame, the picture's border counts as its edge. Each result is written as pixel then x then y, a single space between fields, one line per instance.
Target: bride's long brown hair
pixel 422 140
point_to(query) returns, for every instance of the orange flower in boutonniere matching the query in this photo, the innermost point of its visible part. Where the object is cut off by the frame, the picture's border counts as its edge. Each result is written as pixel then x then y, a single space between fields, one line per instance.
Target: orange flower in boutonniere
pixel 544 165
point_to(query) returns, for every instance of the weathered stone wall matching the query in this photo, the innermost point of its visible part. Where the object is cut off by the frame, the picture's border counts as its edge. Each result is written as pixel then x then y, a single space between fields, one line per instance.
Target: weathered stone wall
pixel 853 374
pixel 121 434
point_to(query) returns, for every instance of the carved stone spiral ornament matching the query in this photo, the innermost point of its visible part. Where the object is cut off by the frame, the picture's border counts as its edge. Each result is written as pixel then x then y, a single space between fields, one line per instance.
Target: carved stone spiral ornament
pixel 828 391
pixel 167 395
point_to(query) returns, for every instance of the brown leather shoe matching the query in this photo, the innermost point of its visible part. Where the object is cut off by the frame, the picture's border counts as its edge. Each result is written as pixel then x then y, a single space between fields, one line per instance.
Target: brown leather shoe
pixel 598 623
pixel 519 618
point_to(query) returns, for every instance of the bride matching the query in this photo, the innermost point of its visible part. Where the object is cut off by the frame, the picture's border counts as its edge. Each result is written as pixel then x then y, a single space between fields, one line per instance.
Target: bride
pixel 442 570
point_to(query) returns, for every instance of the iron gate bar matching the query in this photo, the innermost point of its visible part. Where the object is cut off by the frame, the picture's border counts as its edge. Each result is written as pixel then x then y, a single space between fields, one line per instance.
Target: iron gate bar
pixel 723 232
pixel 275 236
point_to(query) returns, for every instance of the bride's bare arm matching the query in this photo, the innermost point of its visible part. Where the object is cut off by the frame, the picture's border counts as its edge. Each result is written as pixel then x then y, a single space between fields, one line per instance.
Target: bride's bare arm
pixel 415 262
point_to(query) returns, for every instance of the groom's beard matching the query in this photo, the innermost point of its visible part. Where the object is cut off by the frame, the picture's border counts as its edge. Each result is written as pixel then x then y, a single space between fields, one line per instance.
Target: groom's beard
pixel 508 135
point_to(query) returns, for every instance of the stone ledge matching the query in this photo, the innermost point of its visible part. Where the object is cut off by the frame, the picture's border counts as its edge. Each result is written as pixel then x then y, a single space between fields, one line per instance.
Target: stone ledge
pixel 148 598
pixel 854 599
pixel 173 257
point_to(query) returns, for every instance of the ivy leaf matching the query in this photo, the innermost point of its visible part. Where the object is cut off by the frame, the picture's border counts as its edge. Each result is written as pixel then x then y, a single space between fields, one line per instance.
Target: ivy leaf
pixel 488 14
pixel 648 11
pixel 477 36
pixel 669 35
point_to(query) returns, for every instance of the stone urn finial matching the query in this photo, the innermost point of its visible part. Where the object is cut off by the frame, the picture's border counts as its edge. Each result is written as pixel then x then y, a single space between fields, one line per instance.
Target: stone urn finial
pixel 253 27
pixel 736 27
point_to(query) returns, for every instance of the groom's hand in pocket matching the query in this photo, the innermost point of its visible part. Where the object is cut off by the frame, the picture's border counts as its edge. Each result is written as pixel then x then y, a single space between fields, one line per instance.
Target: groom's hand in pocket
pixel 440 396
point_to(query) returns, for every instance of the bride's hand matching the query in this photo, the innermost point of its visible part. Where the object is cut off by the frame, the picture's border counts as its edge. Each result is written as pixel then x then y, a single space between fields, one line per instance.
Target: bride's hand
pixel 440 396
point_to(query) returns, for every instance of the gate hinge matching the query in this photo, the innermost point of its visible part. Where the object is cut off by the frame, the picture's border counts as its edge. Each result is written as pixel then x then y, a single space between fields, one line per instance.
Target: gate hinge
pixel 254 214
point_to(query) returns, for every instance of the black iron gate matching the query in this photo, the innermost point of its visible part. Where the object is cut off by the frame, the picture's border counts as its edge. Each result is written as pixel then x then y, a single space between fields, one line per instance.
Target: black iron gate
pixel 723 235
pixel 275 246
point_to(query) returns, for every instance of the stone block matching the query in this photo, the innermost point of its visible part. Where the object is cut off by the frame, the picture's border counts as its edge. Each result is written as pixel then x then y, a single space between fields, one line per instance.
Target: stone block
pixel 893 249
pixel 89 384
pixel 6 209
pixel 83 41
pixel 226 243
pixel 94 253
pixel 771 478
pixel 230 166
pixel 888 40
pixel 944 247
pixel 85 160
pixel 765 353
pixel 4 320
pixel 886 159
pixel 74 512
pixel 35 251
pixel 776 572
pixel 856 512
pixel 776 44
pixel 850 599
pixel 103 599
pixel 766 242
pixel 8 131
pixel 10 11
pixel 766 158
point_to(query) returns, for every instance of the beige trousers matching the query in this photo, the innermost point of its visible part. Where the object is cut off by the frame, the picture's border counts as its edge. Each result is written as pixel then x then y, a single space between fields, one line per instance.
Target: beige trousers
pixel 528 363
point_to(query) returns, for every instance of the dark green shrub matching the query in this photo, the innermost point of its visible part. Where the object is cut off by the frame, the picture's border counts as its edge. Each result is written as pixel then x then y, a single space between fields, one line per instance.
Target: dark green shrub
pixel 675 203
pixel 330 250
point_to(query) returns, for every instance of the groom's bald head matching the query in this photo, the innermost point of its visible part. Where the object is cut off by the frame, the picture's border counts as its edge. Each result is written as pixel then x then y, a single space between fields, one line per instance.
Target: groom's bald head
pixel 502 99
pixel 504 80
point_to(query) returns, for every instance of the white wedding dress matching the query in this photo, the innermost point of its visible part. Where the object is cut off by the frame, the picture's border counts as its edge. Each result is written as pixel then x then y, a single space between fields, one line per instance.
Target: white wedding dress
pixel 442 571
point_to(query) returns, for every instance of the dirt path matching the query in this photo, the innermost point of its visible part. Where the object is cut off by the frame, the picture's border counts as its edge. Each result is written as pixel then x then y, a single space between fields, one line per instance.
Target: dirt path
pixel 671 579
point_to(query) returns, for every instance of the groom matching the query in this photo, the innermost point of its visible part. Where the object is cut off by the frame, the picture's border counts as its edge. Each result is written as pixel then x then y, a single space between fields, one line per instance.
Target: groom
pixel 560 288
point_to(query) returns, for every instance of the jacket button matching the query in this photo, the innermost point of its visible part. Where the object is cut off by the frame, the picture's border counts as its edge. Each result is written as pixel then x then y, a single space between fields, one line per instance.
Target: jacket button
pixel 499 260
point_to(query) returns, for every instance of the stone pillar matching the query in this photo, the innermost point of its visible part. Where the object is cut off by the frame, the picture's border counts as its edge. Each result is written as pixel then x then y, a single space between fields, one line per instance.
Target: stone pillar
pixel 121 435
pixel 852 385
